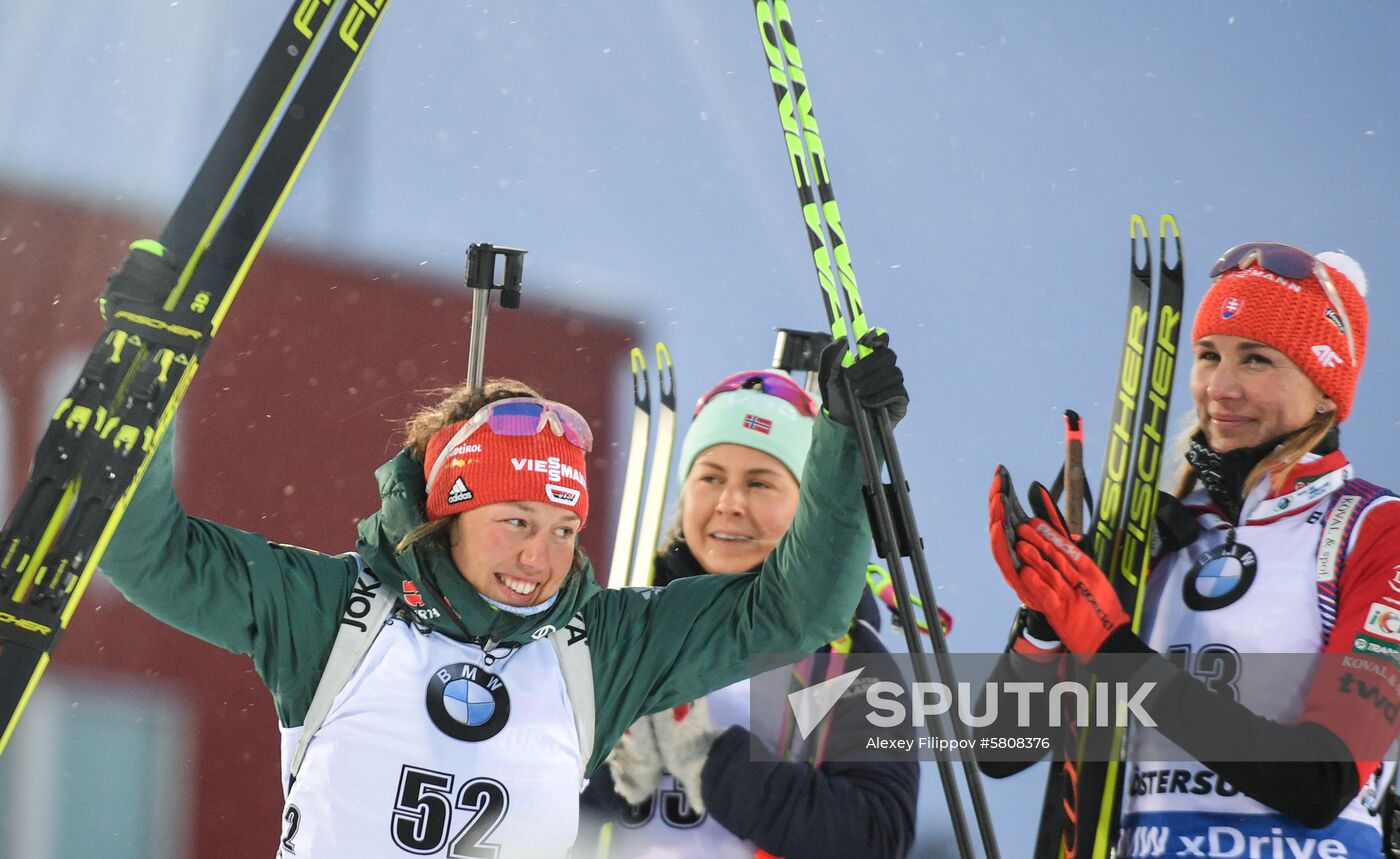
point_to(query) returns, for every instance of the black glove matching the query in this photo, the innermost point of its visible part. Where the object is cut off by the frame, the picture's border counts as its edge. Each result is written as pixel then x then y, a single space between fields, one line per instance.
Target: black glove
pixel 1037 626
pixel 875 380
pixel 141 284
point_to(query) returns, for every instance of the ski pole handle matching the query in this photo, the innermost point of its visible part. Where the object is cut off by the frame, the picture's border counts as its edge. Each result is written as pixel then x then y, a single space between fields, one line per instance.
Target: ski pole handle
pixel 480 278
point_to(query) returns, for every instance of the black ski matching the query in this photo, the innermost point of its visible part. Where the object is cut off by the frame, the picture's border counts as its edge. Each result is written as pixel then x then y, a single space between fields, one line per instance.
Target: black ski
pixel 102 435
pixel 1083 796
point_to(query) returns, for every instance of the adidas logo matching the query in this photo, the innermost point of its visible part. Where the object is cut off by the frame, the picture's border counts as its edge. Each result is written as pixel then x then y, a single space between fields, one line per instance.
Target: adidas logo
pixel 459 492
pixel 1327 357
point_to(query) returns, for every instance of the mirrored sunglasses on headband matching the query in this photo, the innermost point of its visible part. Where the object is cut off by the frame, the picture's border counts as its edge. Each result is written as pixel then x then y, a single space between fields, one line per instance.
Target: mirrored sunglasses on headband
pixel 769 382
pixel 519 416
pixel 1291 263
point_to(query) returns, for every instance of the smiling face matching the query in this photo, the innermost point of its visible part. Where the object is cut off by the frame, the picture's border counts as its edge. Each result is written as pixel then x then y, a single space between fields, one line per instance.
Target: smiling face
pixel 1247 393
pixel 515 552
pixel 736 503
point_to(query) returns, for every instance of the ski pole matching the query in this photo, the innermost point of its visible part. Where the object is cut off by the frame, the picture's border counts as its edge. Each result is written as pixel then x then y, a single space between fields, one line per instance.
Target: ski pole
pixel 1075 481
pixel 800 351
pixel 891 511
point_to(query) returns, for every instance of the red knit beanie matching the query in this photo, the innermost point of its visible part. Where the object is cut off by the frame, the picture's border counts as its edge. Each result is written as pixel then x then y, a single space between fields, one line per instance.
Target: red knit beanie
pixel 1296 318
pixel 488 468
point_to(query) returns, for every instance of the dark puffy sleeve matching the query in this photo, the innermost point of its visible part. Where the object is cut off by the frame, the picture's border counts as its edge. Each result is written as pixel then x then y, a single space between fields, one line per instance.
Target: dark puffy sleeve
pixel 794 809
pixel 797 810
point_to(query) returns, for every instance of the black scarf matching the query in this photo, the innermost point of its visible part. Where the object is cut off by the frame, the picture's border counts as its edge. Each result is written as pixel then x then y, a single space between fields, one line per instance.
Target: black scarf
pixel 1223 474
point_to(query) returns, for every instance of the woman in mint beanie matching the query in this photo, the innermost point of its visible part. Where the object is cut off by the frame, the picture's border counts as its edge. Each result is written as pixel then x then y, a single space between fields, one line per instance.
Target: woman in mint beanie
pixel 684 782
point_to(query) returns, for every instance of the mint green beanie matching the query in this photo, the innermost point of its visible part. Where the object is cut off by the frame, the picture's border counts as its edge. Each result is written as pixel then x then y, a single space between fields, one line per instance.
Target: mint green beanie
pixel 749 418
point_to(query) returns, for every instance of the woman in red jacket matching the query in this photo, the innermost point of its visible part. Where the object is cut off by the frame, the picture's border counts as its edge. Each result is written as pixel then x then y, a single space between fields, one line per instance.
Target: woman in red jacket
pixel 1289 553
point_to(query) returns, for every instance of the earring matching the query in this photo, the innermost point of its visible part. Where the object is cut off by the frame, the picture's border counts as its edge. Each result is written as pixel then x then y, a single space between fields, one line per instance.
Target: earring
pixel 1322 408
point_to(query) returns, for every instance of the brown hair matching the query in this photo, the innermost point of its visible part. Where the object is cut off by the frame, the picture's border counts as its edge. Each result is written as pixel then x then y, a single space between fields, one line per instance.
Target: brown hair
pixel 675 533
pixel 457 404
pixel 1276 466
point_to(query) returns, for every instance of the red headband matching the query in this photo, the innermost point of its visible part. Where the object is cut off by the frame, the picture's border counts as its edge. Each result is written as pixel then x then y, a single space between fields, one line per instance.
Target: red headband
pixel 488 468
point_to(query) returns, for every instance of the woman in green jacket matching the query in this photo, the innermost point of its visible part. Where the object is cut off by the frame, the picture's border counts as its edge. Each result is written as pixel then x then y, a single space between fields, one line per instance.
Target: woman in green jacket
pixel 467 718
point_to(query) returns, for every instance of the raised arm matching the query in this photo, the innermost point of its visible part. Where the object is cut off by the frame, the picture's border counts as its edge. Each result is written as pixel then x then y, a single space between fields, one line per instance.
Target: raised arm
pixel 234 589
pixel 654 649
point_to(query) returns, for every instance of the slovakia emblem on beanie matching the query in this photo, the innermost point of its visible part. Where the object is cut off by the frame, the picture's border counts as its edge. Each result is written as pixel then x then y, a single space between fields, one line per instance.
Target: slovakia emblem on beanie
pixel 1319 321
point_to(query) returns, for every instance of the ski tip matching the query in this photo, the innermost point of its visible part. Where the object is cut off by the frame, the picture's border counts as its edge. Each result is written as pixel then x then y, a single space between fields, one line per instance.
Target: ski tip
pixel 639 360
pixel 1137 227
pixel 1169 230
pixel 665 376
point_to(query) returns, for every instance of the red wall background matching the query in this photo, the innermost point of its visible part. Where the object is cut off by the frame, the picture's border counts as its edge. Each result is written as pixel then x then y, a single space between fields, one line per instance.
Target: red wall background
pixel 300 397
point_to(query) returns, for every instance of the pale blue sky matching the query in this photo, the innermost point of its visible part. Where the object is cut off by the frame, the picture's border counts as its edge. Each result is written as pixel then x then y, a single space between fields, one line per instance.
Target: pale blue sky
pixel 986 156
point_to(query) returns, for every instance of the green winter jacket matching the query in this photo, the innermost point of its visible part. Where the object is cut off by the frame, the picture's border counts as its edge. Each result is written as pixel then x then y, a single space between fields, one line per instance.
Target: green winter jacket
pixel 650 649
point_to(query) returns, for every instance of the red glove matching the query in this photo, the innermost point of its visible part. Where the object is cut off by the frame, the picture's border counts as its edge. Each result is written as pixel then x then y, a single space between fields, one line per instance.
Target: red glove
pixel 1047 571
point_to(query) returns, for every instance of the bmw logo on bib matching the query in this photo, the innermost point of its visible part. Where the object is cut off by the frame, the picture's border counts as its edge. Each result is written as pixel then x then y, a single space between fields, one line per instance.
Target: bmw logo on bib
pixel 1219 577
pixel 468 702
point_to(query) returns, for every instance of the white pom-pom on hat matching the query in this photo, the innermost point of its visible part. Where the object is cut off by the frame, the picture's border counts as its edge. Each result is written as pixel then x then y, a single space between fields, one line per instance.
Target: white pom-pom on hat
pixel 1347 266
